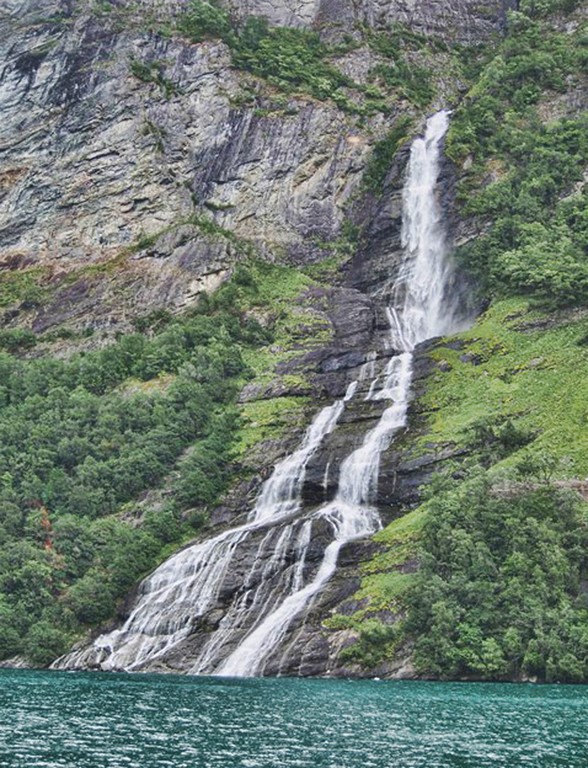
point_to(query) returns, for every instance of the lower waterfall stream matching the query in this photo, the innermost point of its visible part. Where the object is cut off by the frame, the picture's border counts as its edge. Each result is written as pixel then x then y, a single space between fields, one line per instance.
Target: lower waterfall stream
pixel 275 592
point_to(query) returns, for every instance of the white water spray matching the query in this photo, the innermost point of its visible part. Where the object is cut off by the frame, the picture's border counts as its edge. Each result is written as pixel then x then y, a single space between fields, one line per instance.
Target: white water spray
pixel 187 585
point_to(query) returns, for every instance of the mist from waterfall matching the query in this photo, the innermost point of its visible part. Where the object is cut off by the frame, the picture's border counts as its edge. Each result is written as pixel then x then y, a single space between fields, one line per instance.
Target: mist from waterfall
pixel 173 599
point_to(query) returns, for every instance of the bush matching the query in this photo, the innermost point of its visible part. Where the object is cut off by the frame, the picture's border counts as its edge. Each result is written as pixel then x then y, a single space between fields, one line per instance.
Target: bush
pixel 83 436
pixel 536 243
pixel 383 154
pixel 44 643
pixel 203 20
pixel 293 60
pixel 90 599
pixel 17 339
pixel 547 264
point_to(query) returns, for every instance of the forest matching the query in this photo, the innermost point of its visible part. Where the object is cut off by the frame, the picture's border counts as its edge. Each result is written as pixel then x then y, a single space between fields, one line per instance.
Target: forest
pixel 81 439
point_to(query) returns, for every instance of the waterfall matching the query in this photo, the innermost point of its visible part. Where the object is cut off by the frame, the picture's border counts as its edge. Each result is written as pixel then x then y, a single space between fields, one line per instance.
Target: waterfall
pixel 421 311
pixel 187 586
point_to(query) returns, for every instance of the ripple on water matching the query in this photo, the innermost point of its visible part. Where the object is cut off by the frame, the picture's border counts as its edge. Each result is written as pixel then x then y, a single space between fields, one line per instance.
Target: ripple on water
pixel 65 720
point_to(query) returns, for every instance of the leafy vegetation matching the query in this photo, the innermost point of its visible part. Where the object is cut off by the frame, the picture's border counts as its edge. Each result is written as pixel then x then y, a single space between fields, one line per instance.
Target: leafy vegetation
pixel 22 286
pixel 290 59
pixel 523 168
pixel 538 8
pixel 412 81
pixel 383 154
pixel 499 590
pixel 511 398
pixel 152 72
pixel 82 438
pixel 296 60
pixel 520 387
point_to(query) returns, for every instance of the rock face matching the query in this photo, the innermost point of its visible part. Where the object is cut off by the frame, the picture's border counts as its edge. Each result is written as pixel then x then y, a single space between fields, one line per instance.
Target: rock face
pixel 462 20
pixel 136 170
pixel 96 159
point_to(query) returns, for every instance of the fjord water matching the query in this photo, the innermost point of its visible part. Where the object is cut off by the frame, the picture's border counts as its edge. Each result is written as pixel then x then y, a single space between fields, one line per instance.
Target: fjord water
pixel 102 720
pixel 184 588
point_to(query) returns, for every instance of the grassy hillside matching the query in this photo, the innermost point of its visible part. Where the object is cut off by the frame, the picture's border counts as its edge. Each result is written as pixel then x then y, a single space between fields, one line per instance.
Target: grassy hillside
pixel 503 535
pixel 501 539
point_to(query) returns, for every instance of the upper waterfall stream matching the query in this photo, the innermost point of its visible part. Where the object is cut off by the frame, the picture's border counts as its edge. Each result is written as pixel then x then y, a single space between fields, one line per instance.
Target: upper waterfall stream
pixel 188 585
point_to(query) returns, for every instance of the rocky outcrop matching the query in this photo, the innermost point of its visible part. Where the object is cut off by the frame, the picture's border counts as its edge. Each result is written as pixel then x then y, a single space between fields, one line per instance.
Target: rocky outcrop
pixel 96 160
pixel 463 21
pixel 140 153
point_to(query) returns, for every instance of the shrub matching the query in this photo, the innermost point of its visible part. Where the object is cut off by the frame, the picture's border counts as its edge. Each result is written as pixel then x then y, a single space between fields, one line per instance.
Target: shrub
pixel 44 643
pixel 536 243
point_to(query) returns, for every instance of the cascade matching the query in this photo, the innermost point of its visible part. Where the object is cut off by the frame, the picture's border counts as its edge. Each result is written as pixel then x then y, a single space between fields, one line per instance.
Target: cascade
pixel 188 585
pixel 422 311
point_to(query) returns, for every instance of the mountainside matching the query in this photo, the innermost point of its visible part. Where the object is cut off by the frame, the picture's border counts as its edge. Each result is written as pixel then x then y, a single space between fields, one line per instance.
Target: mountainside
pixel 200 231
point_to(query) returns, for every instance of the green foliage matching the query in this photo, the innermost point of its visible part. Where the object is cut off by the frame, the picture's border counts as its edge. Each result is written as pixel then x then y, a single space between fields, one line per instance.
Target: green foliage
pixel 152 72
pixel 535 8
pixel 534 246
pixel 521 366
pixel 205 471
pixel 90 599
pixel 410 80
pixel 16 339
pixel 498 594
pixel 22 286
pixel 383 154
pixel 376 642
pixel 494 438
pixel 80 438
pixel 290 59
pixel 44 643
pixel 206 20
pixel 532 268
pixel 296 60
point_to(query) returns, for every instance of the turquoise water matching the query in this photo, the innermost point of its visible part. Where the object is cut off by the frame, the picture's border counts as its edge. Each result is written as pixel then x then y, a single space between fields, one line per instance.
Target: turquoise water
pixel 83 720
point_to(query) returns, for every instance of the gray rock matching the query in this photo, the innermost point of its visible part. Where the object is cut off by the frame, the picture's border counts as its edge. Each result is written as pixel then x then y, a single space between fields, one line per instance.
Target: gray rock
pixel 462 20
pixel 93 161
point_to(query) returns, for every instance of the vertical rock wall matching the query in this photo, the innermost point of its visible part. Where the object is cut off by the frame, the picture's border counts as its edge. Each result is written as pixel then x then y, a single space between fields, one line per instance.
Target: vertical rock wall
pixel 460 20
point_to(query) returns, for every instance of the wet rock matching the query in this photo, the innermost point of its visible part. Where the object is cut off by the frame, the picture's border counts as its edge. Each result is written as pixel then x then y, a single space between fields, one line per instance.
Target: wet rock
pixel 472 358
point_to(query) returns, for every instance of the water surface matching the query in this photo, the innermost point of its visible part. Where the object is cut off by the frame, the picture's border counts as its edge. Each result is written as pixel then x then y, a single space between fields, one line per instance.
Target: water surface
pixel 101 720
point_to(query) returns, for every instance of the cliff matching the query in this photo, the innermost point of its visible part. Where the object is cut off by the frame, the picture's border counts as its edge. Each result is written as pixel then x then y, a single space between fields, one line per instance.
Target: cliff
pixel 143 160
pixel 464 21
